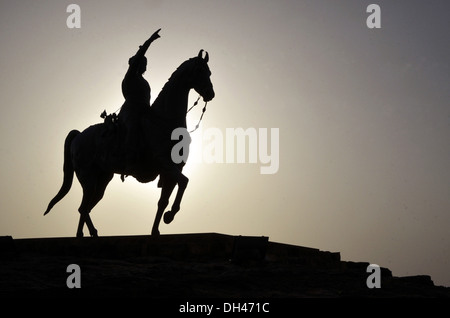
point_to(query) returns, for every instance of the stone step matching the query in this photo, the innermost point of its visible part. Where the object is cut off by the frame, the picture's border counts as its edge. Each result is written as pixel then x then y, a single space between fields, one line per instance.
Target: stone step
pixel 178 246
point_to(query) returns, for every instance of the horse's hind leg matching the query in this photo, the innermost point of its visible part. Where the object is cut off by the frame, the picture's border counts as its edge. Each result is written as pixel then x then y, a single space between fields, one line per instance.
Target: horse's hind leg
pixel 86 219
pixel 84 209
pixel 93 190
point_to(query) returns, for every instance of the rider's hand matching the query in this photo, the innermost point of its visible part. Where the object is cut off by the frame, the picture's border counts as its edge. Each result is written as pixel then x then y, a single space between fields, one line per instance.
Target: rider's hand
pixel 155 35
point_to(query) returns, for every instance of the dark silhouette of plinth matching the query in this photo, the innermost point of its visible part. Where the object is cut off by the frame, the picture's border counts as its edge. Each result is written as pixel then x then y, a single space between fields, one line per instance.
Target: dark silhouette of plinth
pixel 138 141
pixel 188 266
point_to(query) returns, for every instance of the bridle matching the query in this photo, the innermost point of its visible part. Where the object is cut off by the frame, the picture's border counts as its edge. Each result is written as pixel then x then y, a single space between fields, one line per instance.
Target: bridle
pixel 201 117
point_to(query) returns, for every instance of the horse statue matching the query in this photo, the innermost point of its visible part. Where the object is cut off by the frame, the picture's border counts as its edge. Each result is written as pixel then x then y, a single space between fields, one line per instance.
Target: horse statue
pixel 96 153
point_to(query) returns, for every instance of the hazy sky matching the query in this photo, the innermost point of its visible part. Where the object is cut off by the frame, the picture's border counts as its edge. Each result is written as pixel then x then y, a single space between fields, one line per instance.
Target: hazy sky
pixel 363 117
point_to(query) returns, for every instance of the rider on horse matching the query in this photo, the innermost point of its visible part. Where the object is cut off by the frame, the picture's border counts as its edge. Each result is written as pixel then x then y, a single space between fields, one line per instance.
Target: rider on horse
pixel 136 92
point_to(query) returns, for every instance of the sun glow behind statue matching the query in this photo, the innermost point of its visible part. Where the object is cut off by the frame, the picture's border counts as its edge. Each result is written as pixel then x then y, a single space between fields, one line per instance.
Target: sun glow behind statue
pixel 361 113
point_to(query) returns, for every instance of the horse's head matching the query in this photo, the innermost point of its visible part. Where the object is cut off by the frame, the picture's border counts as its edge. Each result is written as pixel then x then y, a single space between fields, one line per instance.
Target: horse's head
pixel 200 77
pixel 191 74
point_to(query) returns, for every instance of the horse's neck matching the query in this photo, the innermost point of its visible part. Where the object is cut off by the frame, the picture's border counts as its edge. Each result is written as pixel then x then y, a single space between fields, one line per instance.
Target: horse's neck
pixel 172 101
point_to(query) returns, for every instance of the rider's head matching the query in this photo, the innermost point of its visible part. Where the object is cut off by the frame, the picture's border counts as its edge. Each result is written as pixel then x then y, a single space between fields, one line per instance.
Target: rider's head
pixel 142 66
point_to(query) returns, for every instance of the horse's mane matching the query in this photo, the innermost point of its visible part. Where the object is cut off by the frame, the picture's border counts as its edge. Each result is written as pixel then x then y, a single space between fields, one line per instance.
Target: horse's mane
pixel 180 70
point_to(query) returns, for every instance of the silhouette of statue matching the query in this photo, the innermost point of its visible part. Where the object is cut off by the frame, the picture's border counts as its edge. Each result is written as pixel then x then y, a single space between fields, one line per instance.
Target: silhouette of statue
pixel 94 154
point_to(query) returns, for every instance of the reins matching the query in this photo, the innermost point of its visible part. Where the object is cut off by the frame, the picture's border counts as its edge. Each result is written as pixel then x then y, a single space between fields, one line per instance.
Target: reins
pixel 201 117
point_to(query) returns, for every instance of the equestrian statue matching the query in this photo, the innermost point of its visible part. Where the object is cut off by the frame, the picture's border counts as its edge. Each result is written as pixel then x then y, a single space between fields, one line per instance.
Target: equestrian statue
pixel 137 142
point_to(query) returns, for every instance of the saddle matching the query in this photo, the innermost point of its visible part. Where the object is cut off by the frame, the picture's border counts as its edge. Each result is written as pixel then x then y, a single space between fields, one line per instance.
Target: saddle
pixel 115 151
pixel 142 161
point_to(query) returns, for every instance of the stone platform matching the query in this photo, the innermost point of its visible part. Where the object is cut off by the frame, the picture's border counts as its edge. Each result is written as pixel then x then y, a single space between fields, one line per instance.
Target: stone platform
pixel 177 246
pixel 188 266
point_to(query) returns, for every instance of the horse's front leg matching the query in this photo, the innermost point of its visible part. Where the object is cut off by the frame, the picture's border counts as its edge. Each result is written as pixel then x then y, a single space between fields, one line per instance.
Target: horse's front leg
pixel 182 185
pixel 166 191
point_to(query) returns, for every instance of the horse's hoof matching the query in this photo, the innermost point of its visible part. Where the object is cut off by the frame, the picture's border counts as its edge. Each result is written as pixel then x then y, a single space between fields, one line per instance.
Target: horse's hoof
pixel 168 217
pixel 80 234
pixel 94 234
pixel 155 233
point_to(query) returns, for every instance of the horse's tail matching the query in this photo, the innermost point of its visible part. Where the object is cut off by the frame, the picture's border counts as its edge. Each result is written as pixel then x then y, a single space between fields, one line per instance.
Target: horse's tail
pixel 68 171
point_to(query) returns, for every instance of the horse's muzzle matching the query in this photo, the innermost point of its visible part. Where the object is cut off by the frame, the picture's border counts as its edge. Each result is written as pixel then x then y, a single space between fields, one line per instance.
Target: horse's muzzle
pixel 209 95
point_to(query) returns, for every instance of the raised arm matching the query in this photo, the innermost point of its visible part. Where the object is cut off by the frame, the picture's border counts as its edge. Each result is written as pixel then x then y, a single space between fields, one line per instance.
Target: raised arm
pixel 143 48
pixel 137 58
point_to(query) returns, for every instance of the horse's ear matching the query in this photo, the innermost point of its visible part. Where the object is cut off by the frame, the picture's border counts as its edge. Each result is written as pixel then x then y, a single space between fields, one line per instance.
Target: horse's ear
pixel 200 55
